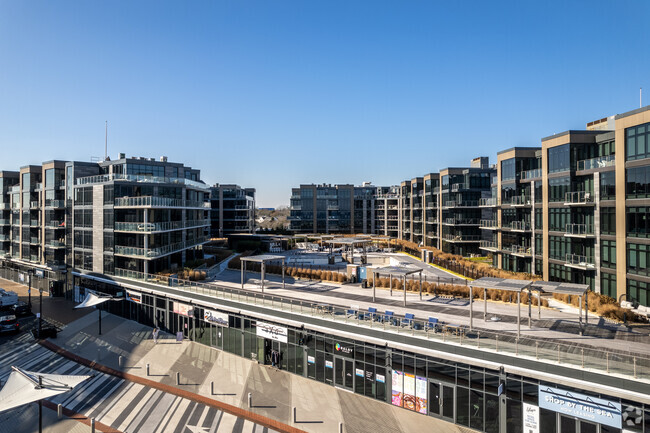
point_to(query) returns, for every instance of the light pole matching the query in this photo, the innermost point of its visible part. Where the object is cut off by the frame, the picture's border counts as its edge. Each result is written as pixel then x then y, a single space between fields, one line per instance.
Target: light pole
pixel 29 288
pixel 40 311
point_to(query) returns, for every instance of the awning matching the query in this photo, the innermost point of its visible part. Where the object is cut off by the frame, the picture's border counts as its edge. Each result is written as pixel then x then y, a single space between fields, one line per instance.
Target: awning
pixel 93 299
pixel 23 387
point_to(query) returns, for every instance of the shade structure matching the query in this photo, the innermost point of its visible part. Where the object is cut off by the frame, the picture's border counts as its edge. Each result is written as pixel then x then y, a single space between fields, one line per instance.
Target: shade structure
pixel 261 259
pixel 395 271
pixel 93 299
pixel 24 387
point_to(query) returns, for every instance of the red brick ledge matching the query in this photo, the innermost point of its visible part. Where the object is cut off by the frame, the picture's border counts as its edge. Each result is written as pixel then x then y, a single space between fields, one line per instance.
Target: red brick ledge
pixel 234 410
pixel 81 418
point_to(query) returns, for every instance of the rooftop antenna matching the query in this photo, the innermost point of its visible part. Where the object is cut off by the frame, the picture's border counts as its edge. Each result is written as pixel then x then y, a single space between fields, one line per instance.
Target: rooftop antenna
pixel 106 142
pixel 640 97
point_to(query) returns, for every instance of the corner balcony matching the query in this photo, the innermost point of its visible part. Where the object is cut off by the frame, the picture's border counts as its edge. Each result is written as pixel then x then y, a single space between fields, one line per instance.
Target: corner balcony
pixel 141 227
pixel 518 251
pixel 158 202
pixel 5 206
pixel 579 198
pixel 4 222
pixel 461 238
pixel 531 174
pixel 582 231
pixel 153 253
pixel 577 261
pixel 104 178
pixel 4 238
pixel 55 204
pixel 598 162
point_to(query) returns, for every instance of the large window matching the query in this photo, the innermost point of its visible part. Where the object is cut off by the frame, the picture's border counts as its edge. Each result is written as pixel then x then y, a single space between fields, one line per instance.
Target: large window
pixel 557 188
pixel 637 184
pixel 638 223
pixel 638 291
pixel 145 170
pixel 608 220
pixel 560 246
pixel 559 158
pixel 637 259
pixel 559 218
pixel 608 254
pixel 508 169
pixel 607 185
pixel 636 142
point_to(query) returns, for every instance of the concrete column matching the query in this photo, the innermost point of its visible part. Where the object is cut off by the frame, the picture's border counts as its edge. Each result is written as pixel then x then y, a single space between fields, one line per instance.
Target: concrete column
pixel 374 286
pixel 597 288
pixel 146 240
pixel 471 309
pixel 518 314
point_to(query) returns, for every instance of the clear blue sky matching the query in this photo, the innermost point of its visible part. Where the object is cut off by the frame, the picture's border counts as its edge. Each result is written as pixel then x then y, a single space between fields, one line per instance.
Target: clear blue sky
pixel 271 94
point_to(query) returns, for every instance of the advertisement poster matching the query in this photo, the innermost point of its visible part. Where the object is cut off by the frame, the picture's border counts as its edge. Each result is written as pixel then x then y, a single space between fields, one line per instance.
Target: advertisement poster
pixel 398 386
pixel 329 364
pixel 311 360
pixel 421 394
pixel 183 309
pixel 277 333
pixel 531 418
pixel 381 378
pixel 409 391
pixel 215 317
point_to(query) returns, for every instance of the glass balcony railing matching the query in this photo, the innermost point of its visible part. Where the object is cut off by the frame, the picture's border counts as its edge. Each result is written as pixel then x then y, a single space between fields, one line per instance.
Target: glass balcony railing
pixel 164 202
pixel 519 250
pixel 530 348
pixel 598 162
pixel 55 244
pixel 4 222
pixel 519 225
pixel 159 251
pixel 57 204
pixel 577 260
pixel 489 245
pixel 578 197
pixel 141 227
pixel 461 238
pixel 103 178
pixel 517 201
pixel 488 202
pixel 530 174
pixel 33 205
pixel 579 229
pixel 489 224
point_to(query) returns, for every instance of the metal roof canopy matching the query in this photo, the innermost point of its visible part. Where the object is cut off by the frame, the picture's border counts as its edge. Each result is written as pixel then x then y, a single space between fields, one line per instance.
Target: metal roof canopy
pixel 350 242
pixel 262 259
pixel 518 286
pixel 401 272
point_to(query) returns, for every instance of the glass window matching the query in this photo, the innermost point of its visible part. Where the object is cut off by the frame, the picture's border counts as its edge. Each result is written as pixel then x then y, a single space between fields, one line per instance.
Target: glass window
pixel 637 184
pixel 637 142
pixel 637 259
pixel 637 221
pixel 508 169
pixel 559 159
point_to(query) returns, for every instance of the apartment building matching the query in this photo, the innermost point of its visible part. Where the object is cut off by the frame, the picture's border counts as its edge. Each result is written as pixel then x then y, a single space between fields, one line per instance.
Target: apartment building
pixel 333 209
pixel 131 214
pixel 232 210
pixel 387 211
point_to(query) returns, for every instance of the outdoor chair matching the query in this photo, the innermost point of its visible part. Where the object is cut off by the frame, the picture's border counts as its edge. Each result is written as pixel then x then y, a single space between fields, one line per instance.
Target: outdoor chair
pixel 371 314
pixel 408 320
pixel 432 324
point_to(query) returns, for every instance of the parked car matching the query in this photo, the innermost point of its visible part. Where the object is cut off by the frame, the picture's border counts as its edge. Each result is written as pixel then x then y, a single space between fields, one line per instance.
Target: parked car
pixel 9 323
pixel 21 308
pixel 47 331
pixel 7 299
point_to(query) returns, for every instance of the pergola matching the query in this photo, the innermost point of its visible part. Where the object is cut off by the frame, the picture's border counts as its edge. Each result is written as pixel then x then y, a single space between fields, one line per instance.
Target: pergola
pixel 399 272
pixel 262 259
pixel 518 286
pixel 349 242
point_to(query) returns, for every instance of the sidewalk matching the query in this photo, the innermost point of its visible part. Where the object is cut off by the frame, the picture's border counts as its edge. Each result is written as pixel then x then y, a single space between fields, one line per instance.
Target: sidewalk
pixel 319 407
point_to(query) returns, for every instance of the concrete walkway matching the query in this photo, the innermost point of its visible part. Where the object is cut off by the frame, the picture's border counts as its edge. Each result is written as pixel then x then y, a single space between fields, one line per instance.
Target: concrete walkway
pixel 319 407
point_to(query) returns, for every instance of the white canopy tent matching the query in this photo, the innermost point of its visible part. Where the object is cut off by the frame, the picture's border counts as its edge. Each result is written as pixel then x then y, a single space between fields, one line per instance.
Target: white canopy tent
pixel 24 387
pixel 92 299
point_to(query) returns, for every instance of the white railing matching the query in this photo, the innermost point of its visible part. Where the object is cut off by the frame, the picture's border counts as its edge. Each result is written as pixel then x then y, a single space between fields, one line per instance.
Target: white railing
pixel 598 162
pixel 579 260
pixel 160 251
pixel 578 197
pixel 103 178
pixel 149 201
pixel 579 229
pixel 142 227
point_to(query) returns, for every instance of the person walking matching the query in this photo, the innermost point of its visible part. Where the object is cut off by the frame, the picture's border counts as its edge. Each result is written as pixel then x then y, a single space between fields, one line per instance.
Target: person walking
pixel 155 335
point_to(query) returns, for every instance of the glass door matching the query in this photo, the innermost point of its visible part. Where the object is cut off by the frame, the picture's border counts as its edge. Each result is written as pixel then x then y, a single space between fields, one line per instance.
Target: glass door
pixel 343 373
pixel 441 400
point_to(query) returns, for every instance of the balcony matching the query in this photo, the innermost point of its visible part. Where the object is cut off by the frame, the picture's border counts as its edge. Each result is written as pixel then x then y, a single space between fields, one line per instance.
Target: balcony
pixel 33 205
pixel 38 187
pixel 55 204
pixel 461 222
pixel 34 240
pixel 458 186
pixel 431 205
pixel 517 201
pixel 519 251
pixel 34 258
pixel 577 261
pixel 34 223
pixel 103 178
pixel 332 207
pixel 417 206
pixel 489 224
pixel 598 162
pixel 531 174
pixel 158 202
pixel 488 202
pixel 461 238
pixel 519 226
pixel 4 238
pixel 152 253
pixel 579 231
pixel 55 244
pixel 578 198
pixel 141 227
pixel 4 222
pixel 5 206
pixel 294 218
pixel 53 224
pixel 489 246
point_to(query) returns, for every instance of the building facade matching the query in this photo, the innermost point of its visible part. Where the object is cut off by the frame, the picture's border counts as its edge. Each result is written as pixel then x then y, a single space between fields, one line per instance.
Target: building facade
pixel 232 210
pixel 333 209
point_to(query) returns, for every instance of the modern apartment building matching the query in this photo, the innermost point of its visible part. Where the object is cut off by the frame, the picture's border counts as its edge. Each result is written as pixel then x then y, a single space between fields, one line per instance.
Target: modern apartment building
pixel 134 214
pixel 387 211
pixel 232 210
pixel 333 209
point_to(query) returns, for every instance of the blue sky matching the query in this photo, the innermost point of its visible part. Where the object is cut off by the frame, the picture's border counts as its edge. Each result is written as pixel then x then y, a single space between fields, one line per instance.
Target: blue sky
pixel 271 94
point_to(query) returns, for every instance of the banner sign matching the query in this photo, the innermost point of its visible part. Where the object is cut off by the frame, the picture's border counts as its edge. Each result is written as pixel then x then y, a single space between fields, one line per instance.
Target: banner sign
pixel 398 387
pixel 531 418
pixel 216 317
pixel 183 309
pixel 421 400
pixel 580 406
pixel 134 297
pixel 277 333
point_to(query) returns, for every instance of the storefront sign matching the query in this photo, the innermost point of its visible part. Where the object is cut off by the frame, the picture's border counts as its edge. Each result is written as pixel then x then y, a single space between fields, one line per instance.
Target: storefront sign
pixel 134 297
pixel 344 349
pixel 183 309
pixel 277 333
pixel 216 317
pixel 311 360
pixel 580 406
pixel 531 418
pixel 39 273
pixel 329 364
pixel 381 378
pixel 358 372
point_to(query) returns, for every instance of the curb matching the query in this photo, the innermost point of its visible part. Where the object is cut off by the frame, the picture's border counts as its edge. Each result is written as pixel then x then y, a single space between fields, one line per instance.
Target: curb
pixel 233 410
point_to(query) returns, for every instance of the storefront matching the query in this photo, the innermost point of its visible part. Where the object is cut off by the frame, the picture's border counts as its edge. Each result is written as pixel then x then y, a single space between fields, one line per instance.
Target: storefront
pixel 484 399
